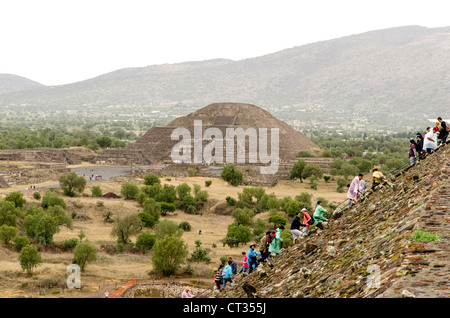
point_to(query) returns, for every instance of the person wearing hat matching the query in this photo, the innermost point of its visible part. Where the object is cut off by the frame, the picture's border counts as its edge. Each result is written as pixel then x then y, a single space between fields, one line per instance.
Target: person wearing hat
pixel 295 227
pixel 307 220
pixel 251 254
pixel 430 143
pixel 318 213
pixel 186 293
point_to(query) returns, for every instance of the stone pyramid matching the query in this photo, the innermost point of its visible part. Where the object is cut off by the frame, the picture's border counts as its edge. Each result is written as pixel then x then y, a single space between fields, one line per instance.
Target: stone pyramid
pixel 156 144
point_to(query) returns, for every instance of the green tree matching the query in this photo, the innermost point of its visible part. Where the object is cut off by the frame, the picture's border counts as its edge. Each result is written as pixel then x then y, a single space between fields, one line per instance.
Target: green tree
pixel 7 233
pixel 183 190
pixel 153 208
pixel 200 254
pixel 232 175
pixel 312 170
pixel 16 198
pixel 169 253
pixel 7 213
pixel 145 241
pixel 29 258
pixel 51 199
pixel 304 154
pixel 125 226
pixel 129 190
pixel 96 191
pixel 277 220
pixel 243 216
pixel 237 234
pixel 151 179
pixel 297 170
pixel 167 228
pixel 71 182
pixel 20 242
pixel 83 254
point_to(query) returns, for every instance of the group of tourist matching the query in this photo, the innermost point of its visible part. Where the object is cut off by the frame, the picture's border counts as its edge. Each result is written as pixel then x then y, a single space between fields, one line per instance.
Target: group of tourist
pixel 272 242
pixel 428 141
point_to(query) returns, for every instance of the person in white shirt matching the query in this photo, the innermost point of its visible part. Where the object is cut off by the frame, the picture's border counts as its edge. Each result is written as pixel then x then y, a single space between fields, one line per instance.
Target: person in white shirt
pixel 430 140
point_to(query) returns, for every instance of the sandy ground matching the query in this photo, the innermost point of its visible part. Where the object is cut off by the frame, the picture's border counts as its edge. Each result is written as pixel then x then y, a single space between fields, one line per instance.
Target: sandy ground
pixel 111 271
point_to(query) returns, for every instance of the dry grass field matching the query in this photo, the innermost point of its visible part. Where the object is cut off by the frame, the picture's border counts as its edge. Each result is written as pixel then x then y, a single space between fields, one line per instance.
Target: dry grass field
pixel 111 271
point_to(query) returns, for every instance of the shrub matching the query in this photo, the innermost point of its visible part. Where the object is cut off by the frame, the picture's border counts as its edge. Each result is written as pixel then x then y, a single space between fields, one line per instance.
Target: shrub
pixel 232 175
pixel 304 154
pixel 167 228
pixel 129 190
pixel 41 226
pixel 202 196
pixel 182 190
pixel 191 210
pixel 422 236
pixel 29 258
pixel 200 254
pixel 70 243
pixel 185 226
pixel 189 200
pixel 7 233
pixel 312 170
pixel 141 197
pixel 230 201
pixel 147 219
pixel 151 179
pixel 16 198
pixel 20 242
pixel 326 178
pixel 145 241
pixel 208 183
pixel 167 207
pixel 277 220
pixel 237 234
pixel 313 182
pixel 126 226
pixel 296 171
pixel 96 191
pixel 8 214
pixel 84 253
pixel 107 217
pixel 71 182
pixel 153 208
pixel 169 253
pixel 51 199
pixel 243 216
pixel 37 195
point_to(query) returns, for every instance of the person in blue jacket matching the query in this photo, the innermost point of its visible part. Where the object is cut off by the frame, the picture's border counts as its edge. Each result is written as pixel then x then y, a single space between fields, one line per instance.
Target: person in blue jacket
pixel 251 260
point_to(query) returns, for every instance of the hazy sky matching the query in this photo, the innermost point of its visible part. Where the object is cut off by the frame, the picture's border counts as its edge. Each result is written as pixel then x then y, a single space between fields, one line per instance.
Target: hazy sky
pixel 62 41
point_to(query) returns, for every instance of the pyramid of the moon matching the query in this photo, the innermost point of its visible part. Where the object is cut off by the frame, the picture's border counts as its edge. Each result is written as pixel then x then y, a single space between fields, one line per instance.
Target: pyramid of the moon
pixel 156 145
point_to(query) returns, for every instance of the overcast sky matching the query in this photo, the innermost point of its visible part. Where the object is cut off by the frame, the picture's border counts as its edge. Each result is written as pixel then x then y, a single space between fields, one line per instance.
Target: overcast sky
pixel 57 42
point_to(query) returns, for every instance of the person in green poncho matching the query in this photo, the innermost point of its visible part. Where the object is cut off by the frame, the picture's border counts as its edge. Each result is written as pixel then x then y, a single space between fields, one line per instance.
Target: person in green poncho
pixel 274 246
pixel 318 213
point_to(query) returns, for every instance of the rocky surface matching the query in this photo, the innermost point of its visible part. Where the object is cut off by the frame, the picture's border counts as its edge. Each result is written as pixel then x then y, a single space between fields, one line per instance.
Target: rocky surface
pixel 368 250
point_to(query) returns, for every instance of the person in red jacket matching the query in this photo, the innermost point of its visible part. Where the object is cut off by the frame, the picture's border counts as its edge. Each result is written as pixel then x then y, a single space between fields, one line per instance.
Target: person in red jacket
pixel 307 220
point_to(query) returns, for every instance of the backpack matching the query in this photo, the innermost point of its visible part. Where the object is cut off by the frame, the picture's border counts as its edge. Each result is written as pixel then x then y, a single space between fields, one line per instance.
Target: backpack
pixel 310 220
pixel 447 126
pixel 270 235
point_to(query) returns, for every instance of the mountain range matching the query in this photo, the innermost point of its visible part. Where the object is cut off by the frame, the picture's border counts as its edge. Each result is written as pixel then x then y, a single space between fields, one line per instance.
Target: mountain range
pixel 403 71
